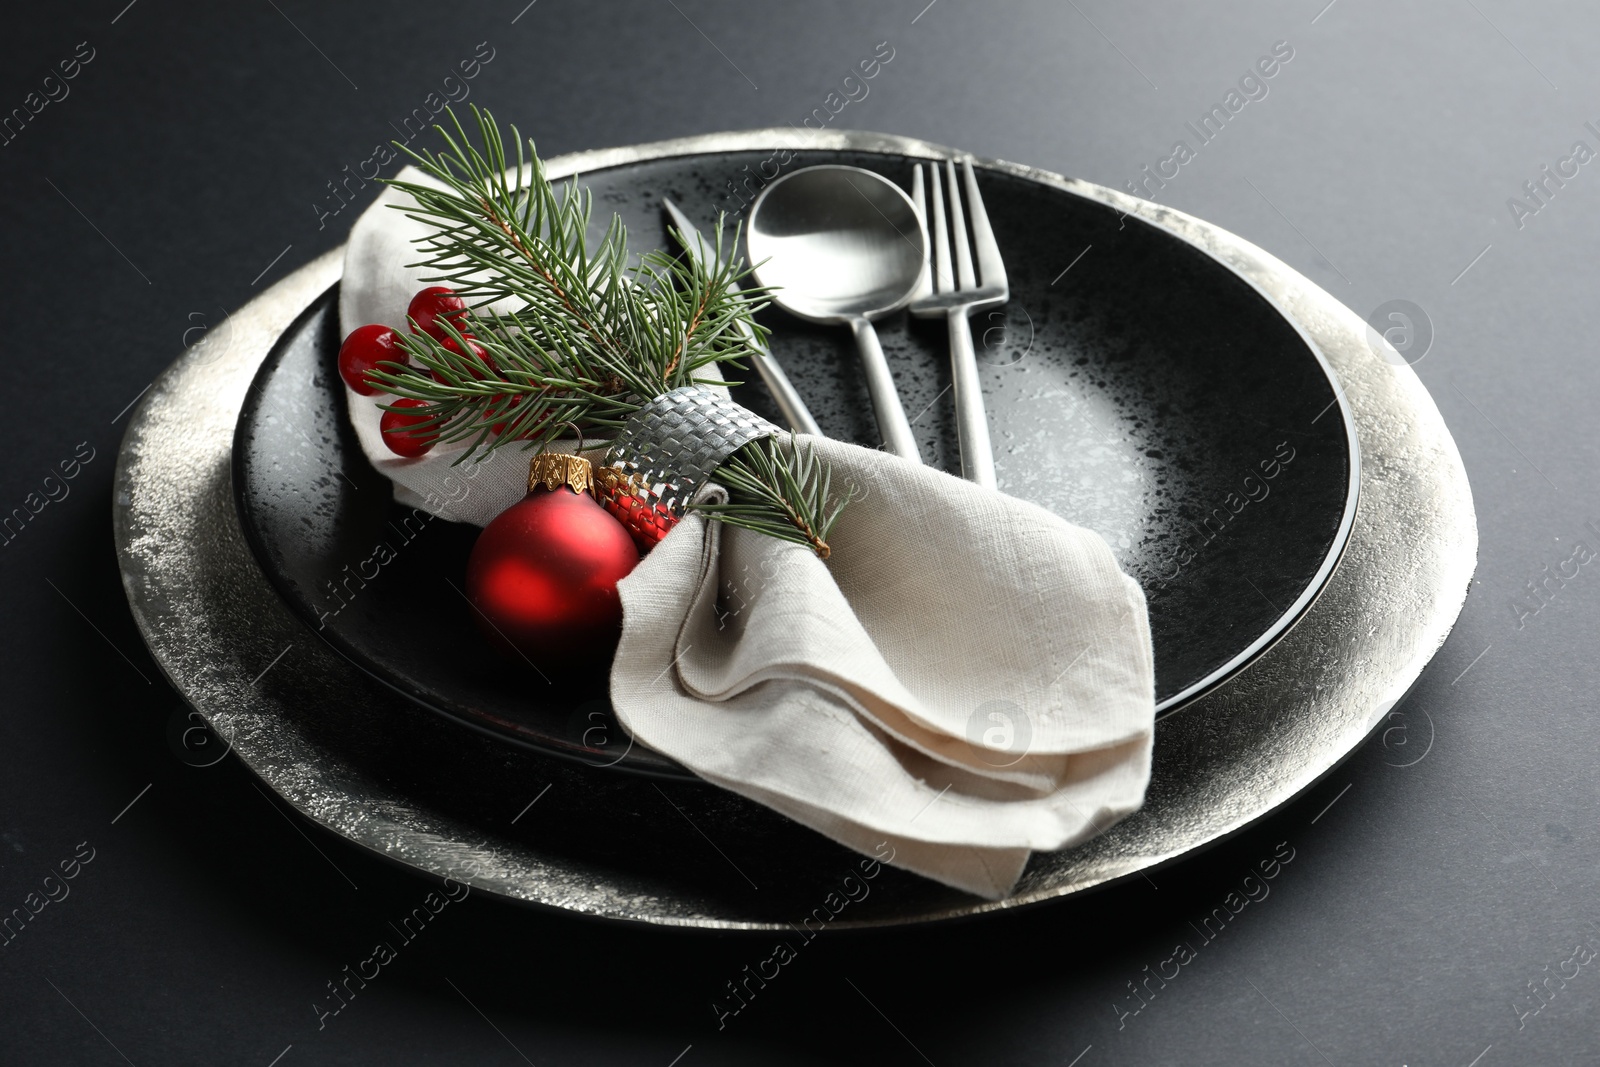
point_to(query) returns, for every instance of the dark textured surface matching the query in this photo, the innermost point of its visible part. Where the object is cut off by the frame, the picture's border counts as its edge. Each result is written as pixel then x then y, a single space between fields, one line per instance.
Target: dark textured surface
pixel 1157 400
pixel 1449 871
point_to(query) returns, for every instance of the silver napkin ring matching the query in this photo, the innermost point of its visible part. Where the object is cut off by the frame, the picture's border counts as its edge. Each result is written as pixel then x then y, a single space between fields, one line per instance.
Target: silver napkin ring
pixel 674 444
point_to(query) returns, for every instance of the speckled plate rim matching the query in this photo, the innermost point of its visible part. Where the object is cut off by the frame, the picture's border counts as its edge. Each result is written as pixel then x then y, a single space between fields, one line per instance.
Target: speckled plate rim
pixel 1248 745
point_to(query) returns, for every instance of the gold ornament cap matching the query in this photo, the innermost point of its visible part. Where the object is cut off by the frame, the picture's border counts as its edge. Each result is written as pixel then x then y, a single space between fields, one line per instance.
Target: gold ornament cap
pixel 550 470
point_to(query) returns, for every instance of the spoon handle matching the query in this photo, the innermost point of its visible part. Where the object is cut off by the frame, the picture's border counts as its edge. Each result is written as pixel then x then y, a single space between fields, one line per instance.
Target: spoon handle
pixel 892 422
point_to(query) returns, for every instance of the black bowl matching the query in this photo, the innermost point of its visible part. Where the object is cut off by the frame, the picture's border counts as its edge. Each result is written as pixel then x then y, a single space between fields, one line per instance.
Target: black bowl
pixel 1135 385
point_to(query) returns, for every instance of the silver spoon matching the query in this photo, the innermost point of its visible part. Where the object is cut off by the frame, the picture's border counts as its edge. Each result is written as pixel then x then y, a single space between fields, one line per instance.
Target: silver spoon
pixel 842 245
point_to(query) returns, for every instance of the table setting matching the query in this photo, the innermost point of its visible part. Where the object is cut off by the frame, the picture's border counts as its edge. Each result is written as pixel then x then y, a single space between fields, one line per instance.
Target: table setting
pixel 1153 629
pixel 773 564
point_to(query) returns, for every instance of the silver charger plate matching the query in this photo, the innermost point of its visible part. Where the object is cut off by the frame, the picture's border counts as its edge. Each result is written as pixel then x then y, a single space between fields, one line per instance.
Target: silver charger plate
pixel 1241 750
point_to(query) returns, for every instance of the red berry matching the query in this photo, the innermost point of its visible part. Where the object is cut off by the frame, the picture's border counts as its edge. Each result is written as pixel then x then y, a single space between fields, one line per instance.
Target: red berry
pixel 398 434
pixel 433 304
pixel 362 351
pixel 449 344
pixel 499 428
pixel 504 416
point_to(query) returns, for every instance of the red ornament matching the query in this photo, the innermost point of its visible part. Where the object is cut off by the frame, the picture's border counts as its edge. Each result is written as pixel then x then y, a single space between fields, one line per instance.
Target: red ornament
pixel 543 575
pixel 619 494
pixel 362 351
pixel 432 305
pixel 399 435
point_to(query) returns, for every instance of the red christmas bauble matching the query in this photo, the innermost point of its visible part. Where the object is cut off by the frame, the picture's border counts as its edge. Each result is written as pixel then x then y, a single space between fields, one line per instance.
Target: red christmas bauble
pixel 363 350
pixel 431 305
pixel 620 495
pixel 543 575
pixel 398 432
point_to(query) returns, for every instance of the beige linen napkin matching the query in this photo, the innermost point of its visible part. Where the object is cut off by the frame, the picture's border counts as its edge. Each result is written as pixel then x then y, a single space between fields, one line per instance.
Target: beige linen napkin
pixel 377 287
pixel 966 679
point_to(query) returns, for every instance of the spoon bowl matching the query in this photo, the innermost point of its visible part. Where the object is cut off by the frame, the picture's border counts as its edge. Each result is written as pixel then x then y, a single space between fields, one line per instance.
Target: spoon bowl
pixel 842 245
pixel 841 242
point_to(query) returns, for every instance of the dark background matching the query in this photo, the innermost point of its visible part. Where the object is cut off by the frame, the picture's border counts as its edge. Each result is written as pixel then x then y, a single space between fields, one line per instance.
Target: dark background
pixel 1449 864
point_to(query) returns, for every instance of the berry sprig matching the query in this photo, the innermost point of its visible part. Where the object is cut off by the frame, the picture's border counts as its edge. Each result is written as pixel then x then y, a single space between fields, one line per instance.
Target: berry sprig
pixel 594 333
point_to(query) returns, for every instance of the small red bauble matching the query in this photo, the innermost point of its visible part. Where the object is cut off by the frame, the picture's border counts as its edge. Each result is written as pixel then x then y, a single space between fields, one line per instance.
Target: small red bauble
pixel 619 494
pixel 362 351
pixel 433 304
pixel 543 575
pixel 399 435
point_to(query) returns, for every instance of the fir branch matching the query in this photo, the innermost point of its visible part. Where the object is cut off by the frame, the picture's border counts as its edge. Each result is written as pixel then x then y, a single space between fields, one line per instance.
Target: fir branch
pixel 502 233
pixel 575 333
pixel 781 490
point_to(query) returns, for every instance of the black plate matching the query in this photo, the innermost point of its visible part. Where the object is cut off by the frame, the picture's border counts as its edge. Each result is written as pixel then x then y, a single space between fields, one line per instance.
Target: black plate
pixel 1148 393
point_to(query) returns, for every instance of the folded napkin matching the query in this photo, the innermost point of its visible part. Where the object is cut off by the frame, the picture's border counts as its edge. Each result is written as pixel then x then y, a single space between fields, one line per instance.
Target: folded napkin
pixel 377 287
pixel 967 678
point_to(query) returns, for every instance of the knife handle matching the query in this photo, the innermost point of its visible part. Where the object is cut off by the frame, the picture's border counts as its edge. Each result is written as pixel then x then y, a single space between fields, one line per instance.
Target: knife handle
pixel 794 409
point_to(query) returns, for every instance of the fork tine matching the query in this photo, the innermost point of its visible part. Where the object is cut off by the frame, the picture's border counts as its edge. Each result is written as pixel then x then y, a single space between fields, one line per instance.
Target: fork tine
pixel 943 279
pixel 990 265
pixel 919 200
pixel 958 232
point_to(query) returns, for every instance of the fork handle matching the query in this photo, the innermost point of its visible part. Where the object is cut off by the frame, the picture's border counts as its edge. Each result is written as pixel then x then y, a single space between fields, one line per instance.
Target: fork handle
pixel 972 425
pixel 892 421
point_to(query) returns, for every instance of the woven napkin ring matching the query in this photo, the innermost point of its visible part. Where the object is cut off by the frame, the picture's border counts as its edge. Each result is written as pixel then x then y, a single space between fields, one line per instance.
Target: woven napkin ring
pixel 672 445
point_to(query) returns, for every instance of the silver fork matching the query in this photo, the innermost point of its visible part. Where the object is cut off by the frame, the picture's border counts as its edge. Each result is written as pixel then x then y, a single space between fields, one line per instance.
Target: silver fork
pixel 956 294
